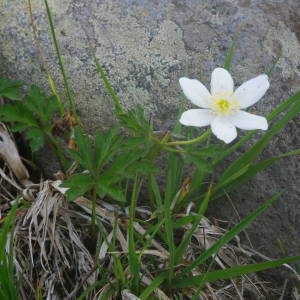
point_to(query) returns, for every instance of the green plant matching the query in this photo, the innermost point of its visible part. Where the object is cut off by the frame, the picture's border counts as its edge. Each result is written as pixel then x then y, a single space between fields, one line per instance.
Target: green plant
pixel 109 162
pixel 120 166
pixel 32 115
pixel 183 154
pixel 8 282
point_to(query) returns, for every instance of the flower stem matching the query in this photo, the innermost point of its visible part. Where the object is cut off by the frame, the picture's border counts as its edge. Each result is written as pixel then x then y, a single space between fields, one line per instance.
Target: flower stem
pixel 198 139
pixel 60 62
pixel 94 197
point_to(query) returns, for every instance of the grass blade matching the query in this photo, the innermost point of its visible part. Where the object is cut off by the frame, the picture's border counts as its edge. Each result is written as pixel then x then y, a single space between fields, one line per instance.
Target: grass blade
pixel 229 56
pixel 253 153
pixel 251 171
pixel 282 107
pixel 229 236
pixel 187 238
pixel 231 272
pixel 8 285
pixel 154 284
pixel 174 177
pixel 133 258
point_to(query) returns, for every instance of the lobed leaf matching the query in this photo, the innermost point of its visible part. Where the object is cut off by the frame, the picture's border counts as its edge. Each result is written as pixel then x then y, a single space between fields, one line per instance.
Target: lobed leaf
pixel 10 89
pixel 78 185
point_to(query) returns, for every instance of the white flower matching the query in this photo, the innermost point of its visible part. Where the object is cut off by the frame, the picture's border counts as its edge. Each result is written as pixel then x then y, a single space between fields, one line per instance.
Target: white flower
pixel 222 106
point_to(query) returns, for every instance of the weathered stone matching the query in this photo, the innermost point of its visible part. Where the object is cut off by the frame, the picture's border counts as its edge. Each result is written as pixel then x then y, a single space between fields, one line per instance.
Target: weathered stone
pixel 145 46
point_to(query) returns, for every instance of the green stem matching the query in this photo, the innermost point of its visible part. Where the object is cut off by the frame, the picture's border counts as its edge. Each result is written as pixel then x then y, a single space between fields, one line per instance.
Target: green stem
pixel 43 60
pixel 133 258
pixel 173 150
pixel 94 198
pixel 57 151
pixel 118 106
pixel 198 139
pixel 69 96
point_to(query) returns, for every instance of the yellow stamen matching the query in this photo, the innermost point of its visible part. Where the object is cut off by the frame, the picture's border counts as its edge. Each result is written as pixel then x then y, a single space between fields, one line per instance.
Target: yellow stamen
pixel 224 103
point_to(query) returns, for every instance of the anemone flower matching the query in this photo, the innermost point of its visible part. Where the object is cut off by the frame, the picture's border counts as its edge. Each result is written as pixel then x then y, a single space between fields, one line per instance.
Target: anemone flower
pixel 221 108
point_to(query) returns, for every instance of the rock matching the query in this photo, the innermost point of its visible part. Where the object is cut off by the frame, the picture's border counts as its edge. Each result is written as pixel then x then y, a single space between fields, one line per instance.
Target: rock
pixel 145 46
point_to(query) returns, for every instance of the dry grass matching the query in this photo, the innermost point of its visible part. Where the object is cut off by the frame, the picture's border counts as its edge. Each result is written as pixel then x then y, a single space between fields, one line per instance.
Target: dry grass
pixel 53 259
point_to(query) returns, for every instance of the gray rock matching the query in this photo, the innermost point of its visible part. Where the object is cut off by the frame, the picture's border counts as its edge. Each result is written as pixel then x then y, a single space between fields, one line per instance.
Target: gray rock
pixel 145 46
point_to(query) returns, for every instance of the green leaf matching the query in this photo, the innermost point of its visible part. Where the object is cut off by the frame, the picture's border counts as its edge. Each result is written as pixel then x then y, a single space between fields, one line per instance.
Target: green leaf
pixel 99 146
pixel 230 273
pixel 111 143
pixel 113 191
pixel 116 193
pixel 144 167
pixel 209 151
pixel 200 162
pixel 136 121
pixel 229 235
pixel 292 103
pixel 179 223
pixel 32 115
pixel 51 108
pixel 78 185
pixel 229 56
pixel 135 142
pixel 17 113
pixel 157 281
pixel 84 155
pixel 253 153
pixel 180 250
pixel 108 86
pixel 122 161
pixel 174 180
pixel 155 191
pixel 8 282
pixel 18 127
pixel 108 178
pixel 248 173
pixel 133 259
pixel 34 100
pixel 10 89
pixel 36 138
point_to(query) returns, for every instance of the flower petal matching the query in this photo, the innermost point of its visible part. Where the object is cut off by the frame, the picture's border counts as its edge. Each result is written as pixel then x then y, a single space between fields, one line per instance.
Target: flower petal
pixel 197 117
pixel 221 81
pixel 252 90
pixel 247 121
pixel 223 129
pixel 195 91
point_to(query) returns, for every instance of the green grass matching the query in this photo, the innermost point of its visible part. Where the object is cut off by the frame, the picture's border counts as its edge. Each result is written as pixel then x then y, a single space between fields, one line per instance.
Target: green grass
pixel 8 282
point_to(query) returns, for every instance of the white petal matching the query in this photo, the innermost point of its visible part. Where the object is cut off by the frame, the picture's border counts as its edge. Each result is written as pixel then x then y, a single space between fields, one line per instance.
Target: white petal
pixel 252 90
pixel 247 121
pixel 195 91
pixel 197 117
pixel 223 129
pixel 221 81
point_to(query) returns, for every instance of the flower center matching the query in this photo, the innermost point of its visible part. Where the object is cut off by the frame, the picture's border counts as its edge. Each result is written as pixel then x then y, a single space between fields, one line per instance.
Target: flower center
pixel 224 103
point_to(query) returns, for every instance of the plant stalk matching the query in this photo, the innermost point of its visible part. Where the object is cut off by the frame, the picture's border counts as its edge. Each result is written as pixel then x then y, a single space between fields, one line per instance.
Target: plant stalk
pixel 198 139
pixel 67 87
